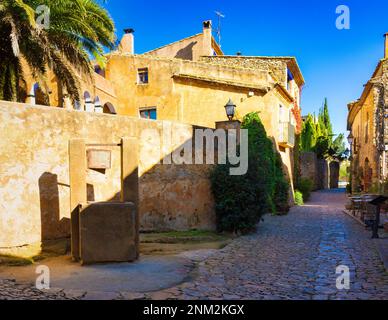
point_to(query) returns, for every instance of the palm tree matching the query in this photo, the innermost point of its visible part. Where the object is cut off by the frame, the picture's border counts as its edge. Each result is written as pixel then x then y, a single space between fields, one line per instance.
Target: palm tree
pixel 78 31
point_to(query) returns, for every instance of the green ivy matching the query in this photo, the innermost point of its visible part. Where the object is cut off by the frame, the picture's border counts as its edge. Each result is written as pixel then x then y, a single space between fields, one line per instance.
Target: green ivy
pixel 305 186
pixel 299 198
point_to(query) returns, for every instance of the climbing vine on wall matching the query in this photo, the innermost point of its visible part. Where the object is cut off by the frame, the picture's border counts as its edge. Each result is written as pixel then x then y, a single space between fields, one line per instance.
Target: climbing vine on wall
pixel 298 117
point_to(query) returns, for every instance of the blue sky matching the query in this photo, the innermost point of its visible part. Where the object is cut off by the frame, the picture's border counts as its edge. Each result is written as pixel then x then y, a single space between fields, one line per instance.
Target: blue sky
pixel 335 63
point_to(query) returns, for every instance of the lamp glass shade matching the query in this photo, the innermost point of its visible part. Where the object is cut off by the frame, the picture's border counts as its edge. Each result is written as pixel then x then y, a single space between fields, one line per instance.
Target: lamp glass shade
pixel 230 109
pixel 350 138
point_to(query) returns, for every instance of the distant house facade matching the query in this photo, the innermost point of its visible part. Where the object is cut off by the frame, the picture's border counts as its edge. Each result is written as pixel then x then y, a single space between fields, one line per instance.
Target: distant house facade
pixel 368 126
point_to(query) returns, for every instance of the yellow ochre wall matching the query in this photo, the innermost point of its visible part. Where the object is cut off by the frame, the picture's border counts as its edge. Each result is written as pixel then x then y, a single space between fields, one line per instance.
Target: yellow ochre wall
pixel 34 175
pixel 366 148
pixel 198 102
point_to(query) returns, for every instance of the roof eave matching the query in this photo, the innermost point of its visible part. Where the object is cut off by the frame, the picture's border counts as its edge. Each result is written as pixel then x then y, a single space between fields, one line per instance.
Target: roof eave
pixel 226 82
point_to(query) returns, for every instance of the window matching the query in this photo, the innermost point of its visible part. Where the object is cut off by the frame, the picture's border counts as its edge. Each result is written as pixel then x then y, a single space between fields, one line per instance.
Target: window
pixel 142 76
pixel 367 128
pixel 290 77
pixel 148 114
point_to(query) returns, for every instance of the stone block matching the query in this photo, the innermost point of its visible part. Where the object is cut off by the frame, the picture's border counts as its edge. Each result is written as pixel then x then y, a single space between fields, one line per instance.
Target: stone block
pixel 107 232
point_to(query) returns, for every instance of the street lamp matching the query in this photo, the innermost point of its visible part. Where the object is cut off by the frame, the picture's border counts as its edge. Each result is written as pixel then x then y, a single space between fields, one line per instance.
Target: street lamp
pixel 230 109
pixel 350 138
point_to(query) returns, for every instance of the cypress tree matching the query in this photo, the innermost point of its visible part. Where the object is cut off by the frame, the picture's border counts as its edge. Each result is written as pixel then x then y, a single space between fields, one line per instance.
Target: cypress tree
pixel 309 135
pixel 324 122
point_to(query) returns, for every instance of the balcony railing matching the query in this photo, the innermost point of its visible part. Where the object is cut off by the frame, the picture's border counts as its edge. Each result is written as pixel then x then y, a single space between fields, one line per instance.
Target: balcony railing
pixel 286 135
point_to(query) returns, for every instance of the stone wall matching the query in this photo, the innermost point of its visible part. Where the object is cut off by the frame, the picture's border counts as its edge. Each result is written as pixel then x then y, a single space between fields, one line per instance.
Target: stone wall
pixel 34 177
pixel 324 174
pixel 309 167
pixel 276 67
pixel 334 174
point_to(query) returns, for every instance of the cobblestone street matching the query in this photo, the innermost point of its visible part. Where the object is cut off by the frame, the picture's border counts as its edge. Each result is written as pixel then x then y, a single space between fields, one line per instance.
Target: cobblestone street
pixel 294 257
pixel 290 257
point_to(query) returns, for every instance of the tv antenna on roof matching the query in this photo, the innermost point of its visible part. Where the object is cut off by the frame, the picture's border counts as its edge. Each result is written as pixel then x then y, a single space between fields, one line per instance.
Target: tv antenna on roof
pixel 220 15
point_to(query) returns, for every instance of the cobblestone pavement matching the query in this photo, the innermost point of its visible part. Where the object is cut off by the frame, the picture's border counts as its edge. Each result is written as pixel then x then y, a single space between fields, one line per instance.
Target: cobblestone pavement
pixel 293 257
pixel 290 257
pixel 10 290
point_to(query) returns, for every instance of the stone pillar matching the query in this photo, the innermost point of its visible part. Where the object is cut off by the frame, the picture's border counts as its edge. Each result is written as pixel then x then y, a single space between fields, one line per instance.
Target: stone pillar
pixel 78 193
pixel 67 102
pixel 30 99
pixel 230 125
pixel 323 174
pixel 334 174
pixel 130 179
pixel 31 96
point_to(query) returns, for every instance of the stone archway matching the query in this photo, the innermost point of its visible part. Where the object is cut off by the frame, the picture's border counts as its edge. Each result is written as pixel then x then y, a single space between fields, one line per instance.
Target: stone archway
pixel 109 108
pixel 38 96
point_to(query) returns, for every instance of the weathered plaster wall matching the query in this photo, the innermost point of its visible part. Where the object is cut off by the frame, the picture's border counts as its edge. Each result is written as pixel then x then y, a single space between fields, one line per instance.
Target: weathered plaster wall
pixel 163 91
pixel 277 67
pixel 175 98
pixel 191 48
pixel 322 173
pixel 365 147
pixel 34 178
pixel 188 49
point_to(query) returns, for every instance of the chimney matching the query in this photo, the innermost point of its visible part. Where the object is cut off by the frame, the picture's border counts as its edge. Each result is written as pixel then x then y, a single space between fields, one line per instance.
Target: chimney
pixel 127 43
pixel 207 38
pixel 386 46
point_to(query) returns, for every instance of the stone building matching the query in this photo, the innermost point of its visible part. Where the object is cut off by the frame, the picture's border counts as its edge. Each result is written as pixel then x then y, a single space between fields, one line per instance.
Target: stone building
pixel 190 81
pixel 368 124
pixel 181 86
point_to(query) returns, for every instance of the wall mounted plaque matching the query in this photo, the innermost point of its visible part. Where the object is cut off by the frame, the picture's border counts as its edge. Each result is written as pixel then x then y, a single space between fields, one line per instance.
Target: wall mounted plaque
pixel 99 159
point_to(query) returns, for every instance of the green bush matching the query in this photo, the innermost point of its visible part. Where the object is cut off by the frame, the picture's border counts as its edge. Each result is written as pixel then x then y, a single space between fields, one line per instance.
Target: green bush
pixel 242 200
pixel 299 198
pixel 305 186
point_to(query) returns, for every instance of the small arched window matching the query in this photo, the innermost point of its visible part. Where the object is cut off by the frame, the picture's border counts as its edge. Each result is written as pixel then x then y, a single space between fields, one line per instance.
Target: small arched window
pixel 89 106
pixel 77 105
pixel 109 108
pixel 97 105
pixel 39 96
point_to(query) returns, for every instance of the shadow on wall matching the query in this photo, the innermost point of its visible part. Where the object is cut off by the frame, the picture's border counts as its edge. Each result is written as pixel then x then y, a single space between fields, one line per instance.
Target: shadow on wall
pixel 171 196
pixel 284 167
pixel 186 53
pixel 52 226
